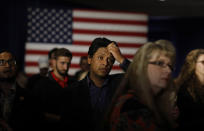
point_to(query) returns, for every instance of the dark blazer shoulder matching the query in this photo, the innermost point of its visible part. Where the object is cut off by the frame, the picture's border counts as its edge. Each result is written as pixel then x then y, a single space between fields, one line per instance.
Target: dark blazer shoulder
pixel 71 79
pixel 44 81
pixel 116 77
pixel 78 84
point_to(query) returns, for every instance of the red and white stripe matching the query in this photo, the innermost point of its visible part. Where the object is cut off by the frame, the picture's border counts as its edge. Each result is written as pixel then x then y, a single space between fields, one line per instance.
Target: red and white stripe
pixel 129 30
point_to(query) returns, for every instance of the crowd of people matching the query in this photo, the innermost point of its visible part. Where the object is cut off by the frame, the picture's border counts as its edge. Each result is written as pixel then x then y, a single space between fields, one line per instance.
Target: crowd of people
pixel 145 97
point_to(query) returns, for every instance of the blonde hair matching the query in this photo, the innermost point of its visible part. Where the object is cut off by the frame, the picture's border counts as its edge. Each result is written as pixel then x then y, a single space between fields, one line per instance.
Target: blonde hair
pixel 136 77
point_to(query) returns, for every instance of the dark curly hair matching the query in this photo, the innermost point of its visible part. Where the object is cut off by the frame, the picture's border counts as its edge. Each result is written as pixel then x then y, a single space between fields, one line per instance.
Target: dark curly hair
pixel 98 43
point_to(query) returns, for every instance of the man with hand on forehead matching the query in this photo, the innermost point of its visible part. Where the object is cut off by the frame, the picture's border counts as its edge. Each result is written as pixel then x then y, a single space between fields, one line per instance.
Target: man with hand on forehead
pixel 90 97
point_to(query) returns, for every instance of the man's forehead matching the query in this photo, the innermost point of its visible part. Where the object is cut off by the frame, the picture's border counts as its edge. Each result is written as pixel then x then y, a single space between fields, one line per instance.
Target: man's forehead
pixel 63 58
pixel 102 51
pixel 5 55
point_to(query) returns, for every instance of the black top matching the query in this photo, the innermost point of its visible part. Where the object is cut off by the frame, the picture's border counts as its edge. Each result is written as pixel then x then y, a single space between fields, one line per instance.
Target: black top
pixel 191 112
pixel 45 98
pixel 77 110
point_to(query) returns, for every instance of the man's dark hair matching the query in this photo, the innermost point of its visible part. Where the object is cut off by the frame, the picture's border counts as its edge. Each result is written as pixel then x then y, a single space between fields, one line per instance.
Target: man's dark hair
pixel 50 52
pixel 4 50
pixel 62 52
pixel 98 43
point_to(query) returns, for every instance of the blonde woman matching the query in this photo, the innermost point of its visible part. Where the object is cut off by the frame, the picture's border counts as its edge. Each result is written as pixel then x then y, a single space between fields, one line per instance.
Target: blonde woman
pixel 143 100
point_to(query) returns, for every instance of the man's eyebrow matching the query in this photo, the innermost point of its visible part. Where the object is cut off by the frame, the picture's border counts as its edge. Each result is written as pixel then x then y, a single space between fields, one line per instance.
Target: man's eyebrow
pixel 101 53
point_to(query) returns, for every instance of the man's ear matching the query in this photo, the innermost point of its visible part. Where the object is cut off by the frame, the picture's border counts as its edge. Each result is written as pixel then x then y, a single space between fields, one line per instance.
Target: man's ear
pixel 89 60
pixel 54 62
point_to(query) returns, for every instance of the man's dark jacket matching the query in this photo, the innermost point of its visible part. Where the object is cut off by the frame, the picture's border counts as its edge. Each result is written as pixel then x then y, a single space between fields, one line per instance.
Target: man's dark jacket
pixel 45 99
pixel 78 114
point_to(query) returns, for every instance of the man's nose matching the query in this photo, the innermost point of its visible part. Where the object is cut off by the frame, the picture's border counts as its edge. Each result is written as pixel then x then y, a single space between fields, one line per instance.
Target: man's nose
pixel 105 61
pixel 65 66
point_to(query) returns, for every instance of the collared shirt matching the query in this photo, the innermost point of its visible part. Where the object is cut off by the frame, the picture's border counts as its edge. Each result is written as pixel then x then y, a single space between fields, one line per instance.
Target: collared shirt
pixel 62 83
pixel 99 96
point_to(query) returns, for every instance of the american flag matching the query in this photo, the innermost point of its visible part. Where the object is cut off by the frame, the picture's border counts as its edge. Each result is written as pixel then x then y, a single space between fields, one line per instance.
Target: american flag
pixel 75 29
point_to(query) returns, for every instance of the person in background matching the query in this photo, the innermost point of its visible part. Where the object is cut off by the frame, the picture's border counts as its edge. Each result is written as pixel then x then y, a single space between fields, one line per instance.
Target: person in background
pixel 51 57
pixel 43 65
pixel 143 101
pixel 46 95
pixel 84 107
pixel 10 93
pixel 84 68
pixel 43 72
pixel 190 83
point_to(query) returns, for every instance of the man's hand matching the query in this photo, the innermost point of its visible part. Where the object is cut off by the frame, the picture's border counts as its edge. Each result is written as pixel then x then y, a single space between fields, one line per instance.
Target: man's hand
pixel 115 51
pixel 51 117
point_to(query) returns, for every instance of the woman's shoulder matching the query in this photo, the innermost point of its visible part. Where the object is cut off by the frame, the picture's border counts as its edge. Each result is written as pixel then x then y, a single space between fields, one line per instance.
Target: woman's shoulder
pixel 130 114
pixel 130 105
pixel 133 105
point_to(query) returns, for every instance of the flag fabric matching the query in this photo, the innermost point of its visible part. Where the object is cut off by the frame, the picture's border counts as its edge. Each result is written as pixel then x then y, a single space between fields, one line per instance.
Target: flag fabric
pixel 75 29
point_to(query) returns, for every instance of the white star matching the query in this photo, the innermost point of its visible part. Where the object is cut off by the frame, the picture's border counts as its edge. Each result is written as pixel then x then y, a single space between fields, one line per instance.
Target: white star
pixel 57 36
pixel 60 40
pixel 53 40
